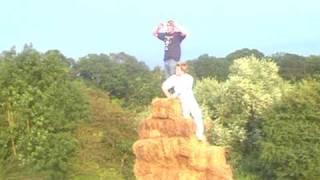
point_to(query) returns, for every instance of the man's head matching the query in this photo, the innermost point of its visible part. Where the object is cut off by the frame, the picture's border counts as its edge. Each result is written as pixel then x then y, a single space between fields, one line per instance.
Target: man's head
pixel 181 68
pixel 170 26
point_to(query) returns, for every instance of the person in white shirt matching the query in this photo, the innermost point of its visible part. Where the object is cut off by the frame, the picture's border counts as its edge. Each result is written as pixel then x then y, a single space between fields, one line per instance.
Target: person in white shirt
pixel 182 83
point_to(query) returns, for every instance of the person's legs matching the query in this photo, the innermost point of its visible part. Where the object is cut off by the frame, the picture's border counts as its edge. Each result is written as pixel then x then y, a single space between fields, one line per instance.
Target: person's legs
pixel 185 110
pixel 170 67
pixel 191 108
pixel 197 117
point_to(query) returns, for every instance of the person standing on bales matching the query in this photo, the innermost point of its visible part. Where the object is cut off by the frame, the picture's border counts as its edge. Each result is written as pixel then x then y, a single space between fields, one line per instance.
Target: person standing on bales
pixel 172 35
pixel 182 83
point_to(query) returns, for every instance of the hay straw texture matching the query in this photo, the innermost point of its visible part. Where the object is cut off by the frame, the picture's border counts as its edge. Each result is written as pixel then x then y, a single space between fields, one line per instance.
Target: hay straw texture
pixel 168 149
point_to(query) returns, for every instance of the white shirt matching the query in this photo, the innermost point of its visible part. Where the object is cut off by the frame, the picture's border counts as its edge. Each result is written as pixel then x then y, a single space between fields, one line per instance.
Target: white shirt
pixel 183 89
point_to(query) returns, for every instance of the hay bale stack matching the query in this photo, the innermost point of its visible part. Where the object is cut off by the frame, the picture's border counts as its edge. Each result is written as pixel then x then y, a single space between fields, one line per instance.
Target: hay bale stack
pixel 166 121
pixel 169 150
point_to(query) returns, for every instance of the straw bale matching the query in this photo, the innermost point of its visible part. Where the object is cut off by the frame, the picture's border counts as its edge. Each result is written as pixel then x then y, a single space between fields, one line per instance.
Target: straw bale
pixel 220 174
pixel 198 159
pixel 175 173
pixel 161 149
pixel 169 150
pixel 216 156
pixel 164 108
pixel 142 168
pixel 179 158
pixel 217 165
pixel 151 128
pixel 149 150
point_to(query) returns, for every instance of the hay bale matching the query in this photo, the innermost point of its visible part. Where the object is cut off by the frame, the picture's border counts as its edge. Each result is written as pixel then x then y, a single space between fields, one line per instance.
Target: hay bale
pixel 217 164
pixel 198 157
pixel 163 151
pixel 177 173
pixel 179 158
pixel 169 150
pixel 152 128
pixel 220 174
pixel 142 168
pixel 148 150
pixel 216 156
pixel 163 108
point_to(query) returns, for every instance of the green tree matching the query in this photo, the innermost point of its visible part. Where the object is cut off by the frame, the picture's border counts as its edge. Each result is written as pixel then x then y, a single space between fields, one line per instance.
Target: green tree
pixel 122 76
pixel 105 150
pixel 205 66
pixel 40 106
pixel 253 85
pixel 290 147
pixel 312 65
pixel 236 105
pixel 292 66
pixel 244 53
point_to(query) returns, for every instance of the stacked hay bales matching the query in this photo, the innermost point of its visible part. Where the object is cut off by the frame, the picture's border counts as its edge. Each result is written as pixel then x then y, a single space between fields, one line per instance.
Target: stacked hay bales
pixel 168 149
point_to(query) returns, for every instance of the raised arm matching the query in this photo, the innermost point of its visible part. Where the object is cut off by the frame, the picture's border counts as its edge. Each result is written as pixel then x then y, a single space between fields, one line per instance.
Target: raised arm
pixel 159 28
pixel 180 29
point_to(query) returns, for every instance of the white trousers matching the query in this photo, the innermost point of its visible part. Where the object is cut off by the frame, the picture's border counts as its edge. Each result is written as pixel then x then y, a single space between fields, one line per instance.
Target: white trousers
pixel 191 109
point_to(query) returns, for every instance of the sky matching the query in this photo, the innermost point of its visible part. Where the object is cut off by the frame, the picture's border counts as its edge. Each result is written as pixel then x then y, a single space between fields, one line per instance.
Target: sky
pixel 215 27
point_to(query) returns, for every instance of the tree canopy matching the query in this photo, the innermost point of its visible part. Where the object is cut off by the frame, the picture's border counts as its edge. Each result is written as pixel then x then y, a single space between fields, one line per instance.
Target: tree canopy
pixel 54 110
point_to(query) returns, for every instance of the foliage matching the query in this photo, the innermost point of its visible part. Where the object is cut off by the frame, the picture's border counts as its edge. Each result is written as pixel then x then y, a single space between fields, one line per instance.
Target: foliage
pixel 253 85
pixel 105 141
pixel 270 126
pixel 39 107
pixel 312 65
pixel 122 76
pixel 292 66
pixel 206 66
pixel 245 52
pixel 236 107
pixel 290 148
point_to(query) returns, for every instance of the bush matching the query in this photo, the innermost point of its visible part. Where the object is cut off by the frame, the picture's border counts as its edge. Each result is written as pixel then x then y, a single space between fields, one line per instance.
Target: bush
pixel 290 148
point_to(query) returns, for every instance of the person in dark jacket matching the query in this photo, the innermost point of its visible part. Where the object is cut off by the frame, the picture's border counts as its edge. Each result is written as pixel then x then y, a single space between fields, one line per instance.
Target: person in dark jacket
pixel 172 35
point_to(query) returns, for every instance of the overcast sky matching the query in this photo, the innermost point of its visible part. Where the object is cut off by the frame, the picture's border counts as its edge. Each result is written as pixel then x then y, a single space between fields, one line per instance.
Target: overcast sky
pixel 216 27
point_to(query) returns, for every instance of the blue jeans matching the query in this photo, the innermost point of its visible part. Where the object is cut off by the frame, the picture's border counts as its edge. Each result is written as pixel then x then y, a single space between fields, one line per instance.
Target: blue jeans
pixel 170 67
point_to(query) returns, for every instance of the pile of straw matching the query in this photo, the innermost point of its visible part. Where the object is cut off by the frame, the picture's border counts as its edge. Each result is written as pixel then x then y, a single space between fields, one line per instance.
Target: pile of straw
pixel 169 150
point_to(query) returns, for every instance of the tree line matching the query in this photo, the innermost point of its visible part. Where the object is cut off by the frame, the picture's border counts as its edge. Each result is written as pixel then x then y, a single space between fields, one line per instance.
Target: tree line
pixel 261 107
pixel 292 67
